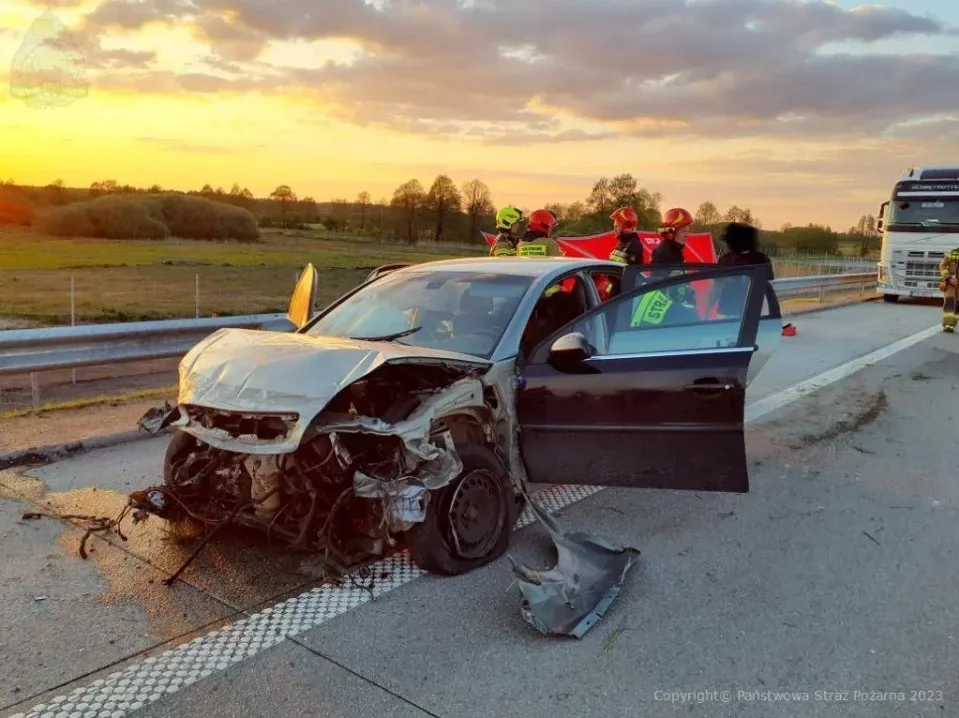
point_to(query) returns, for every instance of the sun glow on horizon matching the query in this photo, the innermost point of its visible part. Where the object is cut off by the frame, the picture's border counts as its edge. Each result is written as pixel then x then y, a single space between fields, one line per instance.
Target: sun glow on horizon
pixel 162 122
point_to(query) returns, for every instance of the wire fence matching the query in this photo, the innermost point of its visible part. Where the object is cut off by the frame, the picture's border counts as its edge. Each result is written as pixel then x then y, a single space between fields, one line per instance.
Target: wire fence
pixel 60 297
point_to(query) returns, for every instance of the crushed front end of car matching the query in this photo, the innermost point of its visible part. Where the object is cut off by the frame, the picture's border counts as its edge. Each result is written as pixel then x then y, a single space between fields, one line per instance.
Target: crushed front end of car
pixel 339 447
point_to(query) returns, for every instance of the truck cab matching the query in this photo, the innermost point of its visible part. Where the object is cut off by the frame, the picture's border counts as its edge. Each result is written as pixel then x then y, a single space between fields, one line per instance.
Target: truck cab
pixel 919 225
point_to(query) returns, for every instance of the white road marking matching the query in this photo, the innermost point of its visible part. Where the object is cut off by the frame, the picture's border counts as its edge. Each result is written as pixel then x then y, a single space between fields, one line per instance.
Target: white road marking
pixel 766 405
pixel 170 671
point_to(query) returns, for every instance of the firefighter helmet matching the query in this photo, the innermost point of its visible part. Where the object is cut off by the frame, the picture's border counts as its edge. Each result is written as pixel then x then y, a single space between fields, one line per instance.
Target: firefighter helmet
pixel 543 221
pixel 626 218
pixel 676 218
pixel 507 217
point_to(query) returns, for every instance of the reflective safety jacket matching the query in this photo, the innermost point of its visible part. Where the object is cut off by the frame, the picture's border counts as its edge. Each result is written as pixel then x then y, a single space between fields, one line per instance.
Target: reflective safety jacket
pixel 533 245
pixel 651 309
pixel 948 267
pixel 670 252
pixel 504 246
pixel 629 249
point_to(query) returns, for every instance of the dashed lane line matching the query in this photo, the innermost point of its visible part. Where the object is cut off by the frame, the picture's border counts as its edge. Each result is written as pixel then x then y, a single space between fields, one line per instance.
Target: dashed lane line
pixel 170 671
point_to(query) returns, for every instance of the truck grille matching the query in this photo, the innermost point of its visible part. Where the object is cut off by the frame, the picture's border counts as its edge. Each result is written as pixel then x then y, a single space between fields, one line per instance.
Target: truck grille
pixel 917 268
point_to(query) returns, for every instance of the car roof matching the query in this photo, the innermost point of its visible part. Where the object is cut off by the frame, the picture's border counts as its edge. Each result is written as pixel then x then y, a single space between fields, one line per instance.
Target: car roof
pixel 522 266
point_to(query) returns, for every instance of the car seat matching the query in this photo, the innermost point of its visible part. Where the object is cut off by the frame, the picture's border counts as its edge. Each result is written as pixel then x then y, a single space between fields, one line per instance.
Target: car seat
pixel 550 313
pixel 474 316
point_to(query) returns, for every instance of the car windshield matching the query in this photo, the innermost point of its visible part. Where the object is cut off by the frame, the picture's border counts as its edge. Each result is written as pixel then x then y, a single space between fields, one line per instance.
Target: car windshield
pixel 938 213
pixel 463 312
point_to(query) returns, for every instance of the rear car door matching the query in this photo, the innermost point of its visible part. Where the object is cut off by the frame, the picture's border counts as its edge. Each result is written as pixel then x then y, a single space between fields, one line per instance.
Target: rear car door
pixel 606 401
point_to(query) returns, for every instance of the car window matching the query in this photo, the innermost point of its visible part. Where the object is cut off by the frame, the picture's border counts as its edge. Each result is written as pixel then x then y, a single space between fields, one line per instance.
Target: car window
pixel 455 311
pixel 693 314
pixel 607 283
pixel 559 304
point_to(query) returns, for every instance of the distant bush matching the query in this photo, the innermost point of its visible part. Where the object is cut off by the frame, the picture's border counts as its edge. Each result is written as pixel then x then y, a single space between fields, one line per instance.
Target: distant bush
pixel 108 217
pixel 150 217
pixel 200 218
pixel 69 221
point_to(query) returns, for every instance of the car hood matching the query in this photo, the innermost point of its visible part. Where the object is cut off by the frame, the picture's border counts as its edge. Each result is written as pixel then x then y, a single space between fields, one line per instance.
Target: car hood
pixel 258 371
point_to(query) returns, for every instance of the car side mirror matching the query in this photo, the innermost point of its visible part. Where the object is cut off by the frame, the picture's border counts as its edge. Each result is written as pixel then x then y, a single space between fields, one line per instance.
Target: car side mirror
pixel 300 310
pixel 569 350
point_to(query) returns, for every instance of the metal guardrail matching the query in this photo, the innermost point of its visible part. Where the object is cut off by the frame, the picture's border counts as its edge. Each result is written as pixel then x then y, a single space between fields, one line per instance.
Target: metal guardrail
pixel 49 348
pixel 791 287
pixel 27 351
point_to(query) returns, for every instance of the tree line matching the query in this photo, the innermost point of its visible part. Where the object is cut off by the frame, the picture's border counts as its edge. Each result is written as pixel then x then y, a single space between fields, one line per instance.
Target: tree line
pixel 445 212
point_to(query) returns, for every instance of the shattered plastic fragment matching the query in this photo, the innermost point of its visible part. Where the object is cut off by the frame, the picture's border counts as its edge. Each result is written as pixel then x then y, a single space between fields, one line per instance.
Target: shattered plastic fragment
pixel 568 599
pixel 158 418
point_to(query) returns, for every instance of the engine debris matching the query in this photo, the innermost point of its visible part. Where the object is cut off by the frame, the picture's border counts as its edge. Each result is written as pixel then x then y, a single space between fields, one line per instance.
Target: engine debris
pixel 359 479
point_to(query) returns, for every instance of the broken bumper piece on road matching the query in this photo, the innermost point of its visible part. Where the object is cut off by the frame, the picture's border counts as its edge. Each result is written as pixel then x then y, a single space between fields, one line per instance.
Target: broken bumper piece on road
pixel 158 418
pixel 571 597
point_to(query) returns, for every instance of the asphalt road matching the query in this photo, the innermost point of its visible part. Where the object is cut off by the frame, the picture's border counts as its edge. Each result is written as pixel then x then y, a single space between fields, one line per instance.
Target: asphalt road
pixel 829 585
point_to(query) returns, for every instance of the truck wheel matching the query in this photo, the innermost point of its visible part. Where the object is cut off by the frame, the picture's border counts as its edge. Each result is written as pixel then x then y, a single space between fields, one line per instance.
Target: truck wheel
pixel 469 521
pixel 177 452
pixel 891 298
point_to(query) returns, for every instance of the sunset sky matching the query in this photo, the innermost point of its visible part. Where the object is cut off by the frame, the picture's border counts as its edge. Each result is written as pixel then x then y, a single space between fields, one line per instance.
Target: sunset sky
pixel 801 111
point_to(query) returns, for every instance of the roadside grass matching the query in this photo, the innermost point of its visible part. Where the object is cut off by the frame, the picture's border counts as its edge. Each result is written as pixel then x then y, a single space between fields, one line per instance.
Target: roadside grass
pixel 134 280
pixel 131 280
pixel 88 402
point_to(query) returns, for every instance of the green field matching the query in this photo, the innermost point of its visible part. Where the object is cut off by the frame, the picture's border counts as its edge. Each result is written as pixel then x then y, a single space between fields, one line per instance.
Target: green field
pixel 133 280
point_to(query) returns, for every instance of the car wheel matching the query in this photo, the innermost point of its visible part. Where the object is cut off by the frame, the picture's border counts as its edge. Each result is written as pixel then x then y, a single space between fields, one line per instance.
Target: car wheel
pixel 469 521
pixel 891 298
pixel 177 452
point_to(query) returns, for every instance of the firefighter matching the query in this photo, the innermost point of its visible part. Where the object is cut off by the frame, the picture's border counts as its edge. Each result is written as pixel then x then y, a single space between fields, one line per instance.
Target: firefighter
pixel 505 243
pixel 674 229
pixel 629 248
pixel 677 301
pixel 538 241
pixel 949 286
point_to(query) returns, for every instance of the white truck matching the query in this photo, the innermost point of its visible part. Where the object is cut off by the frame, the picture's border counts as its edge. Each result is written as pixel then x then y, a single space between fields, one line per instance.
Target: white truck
pixel 919 224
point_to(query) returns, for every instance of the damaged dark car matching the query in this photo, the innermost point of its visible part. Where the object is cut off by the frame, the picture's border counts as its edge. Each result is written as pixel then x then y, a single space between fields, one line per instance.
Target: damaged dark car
pixel 415 411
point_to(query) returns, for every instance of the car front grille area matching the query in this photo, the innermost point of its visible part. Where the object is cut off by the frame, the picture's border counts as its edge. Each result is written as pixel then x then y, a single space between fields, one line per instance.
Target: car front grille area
pixel 262 426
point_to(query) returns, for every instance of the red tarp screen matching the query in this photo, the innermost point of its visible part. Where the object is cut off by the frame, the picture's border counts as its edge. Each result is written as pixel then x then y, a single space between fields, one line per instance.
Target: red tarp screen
pixel 699 249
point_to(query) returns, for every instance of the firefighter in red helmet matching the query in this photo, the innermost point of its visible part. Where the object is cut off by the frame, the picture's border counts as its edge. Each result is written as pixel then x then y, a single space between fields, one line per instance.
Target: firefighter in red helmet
pixel 673 230
pixel 677 300
pixel 538 241
pixel 629 248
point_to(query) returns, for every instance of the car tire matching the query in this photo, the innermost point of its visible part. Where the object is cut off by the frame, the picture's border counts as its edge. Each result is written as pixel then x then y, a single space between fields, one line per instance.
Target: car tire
pixel 891 298
pixel 484 486
pixel 180 446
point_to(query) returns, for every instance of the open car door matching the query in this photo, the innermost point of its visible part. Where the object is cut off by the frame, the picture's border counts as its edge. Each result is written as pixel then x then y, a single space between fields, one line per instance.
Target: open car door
pixel 645 391
pixel 300 309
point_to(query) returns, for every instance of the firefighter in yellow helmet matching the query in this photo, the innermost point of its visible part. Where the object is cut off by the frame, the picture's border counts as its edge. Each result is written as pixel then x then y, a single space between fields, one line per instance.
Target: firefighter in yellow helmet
pixel 505 243
pixel 949 286
pixel 538 241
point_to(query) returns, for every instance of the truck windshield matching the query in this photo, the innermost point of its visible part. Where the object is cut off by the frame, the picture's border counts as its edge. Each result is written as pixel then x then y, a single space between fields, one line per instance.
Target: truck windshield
pixel 936 213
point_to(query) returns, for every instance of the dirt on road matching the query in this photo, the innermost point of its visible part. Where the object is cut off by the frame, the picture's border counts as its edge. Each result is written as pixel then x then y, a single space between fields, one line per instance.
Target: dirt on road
pixel 66 426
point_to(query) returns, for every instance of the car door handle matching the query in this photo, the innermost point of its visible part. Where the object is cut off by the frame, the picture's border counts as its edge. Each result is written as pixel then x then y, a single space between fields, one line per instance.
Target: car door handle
pixel 709 385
